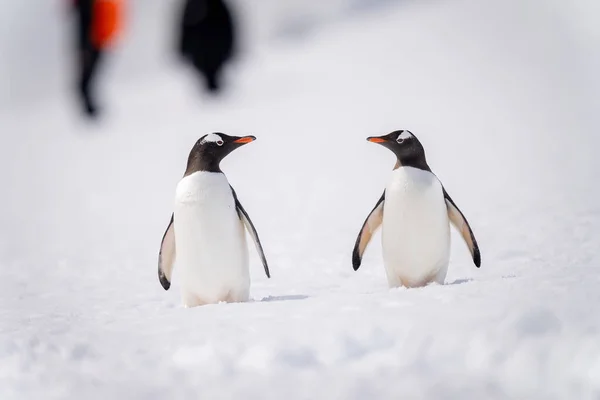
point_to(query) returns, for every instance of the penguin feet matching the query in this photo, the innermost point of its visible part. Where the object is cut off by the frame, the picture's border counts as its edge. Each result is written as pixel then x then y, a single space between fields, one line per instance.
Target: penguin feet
pixel 190 300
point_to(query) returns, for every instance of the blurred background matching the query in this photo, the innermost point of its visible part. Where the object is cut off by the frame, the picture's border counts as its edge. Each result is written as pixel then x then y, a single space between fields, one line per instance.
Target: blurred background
pixel 37 41
pixel 503 94
pixel 338 70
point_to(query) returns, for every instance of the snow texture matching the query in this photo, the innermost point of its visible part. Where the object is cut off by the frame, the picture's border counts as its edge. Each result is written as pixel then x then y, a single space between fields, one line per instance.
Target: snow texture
pixel 502 94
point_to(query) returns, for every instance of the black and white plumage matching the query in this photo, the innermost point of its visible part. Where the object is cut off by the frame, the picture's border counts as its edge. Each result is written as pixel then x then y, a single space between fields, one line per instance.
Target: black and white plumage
pixel 415 211
pixel 206 234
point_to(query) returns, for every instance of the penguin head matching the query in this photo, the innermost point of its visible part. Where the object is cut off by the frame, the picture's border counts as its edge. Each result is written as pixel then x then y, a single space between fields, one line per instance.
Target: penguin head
pixel 210 149
pixel 404 144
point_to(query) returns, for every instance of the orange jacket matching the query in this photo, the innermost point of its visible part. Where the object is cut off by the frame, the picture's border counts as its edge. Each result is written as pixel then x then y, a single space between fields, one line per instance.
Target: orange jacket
pixel 107 22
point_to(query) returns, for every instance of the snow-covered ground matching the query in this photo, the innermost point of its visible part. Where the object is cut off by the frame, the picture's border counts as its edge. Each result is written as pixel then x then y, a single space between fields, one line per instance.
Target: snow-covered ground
pixel 504 98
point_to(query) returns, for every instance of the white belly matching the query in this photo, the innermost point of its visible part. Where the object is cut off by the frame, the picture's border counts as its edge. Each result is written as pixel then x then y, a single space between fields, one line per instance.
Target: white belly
pixel 416 231
pixel 212 255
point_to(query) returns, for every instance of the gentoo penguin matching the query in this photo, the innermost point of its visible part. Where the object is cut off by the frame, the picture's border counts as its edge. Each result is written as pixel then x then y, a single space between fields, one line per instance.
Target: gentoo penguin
pixel 414 210
pixel 206 232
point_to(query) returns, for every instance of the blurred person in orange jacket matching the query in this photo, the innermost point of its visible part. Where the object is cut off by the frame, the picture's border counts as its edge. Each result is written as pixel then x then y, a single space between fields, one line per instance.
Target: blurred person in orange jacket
pixel 207 38
pixel 98 23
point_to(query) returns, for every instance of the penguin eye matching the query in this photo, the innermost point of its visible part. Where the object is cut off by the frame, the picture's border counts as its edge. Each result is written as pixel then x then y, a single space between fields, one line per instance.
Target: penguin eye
pixel 220 142
pixel 404 135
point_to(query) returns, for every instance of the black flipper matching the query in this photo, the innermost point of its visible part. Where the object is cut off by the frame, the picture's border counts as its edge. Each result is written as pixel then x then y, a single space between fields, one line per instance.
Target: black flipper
pixel 370 226
pixel 166 256
pixel 245 218
pixel 462 225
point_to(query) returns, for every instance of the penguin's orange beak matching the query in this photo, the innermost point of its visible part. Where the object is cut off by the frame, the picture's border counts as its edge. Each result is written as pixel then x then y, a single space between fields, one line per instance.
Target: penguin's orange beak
pixel 375 139
pixel 245 139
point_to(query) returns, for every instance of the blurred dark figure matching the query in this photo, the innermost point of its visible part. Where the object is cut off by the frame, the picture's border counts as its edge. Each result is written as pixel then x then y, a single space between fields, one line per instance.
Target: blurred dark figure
pixel 98 22
pixel 207 38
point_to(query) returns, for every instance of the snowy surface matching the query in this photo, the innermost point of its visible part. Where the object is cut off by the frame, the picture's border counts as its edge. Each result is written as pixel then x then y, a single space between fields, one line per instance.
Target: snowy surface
pixel 502 94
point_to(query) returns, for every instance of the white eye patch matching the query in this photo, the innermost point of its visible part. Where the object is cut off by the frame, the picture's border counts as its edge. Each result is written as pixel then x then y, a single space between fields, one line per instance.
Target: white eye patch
pixel 404 135
pixel 213 138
